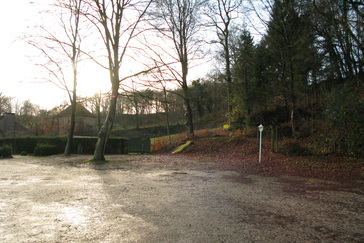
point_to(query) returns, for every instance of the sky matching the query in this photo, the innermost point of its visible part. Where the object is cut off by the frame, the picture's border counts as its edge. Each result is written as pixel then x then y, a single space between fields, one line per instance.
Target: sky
pixel 16 68
pixel 20 78
pixel 19 74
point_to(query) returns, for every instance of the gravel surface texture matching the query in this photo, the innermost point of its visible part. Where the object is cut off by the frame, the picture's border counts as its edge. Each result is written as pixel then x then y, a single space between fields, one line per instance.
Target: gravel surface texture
pixel 160 198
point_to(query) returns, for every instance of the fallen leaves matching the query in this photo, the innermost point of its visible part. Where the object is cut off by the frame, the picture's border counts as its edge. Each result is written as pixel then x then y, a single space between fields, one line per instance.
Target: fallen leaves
pixel 241 154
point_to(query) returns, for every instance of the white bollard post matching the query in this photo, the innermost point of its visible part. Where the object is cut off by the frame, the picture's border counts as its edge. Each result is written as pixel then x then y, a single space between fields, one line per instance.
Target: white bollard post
pixel 260 143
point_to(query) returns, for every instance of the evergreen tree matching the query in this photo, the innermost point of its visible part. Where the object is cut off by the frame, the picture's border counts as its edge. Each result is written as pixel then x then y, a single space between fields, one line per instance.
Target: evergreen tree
pixel 292 53
pixel 340 30
pixel 244 87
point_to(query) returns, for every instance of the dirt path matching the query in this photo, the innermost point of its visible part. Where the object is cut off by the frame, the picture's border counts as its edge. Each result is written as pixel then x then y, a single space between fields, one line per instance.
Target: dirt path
pixel 149 199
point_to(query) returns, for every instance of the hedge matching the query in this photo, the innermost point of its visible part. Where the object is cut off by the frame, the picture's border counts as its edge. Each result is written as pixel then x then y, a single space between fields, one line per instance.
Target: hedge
pixel 5 151
pixel 45 149
pixel 28 144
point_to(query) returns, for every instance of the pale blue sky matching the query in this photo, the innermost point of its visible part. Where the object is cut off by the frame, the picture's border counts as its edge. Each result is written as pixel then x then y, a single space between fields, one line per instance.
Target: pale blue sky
pixel 19 77
pixel 16 68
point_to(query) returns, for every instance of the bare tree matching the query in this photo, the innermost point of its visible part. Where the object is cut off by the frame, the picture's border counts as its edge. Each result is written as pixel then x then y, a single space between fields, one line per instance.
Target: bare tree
pixel 163 83
pixel 28 116
pixel 178 23
pixel 221 14
pixel 74 7
pixel 117 22
pixel 5 104
pixel 62 52
pixel 158 79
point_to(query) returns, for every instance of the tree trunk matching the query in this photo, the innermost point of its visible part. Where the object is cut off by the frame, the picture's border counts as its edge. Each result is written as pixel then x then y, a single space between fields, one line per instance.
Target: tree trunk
pixel 67 150
pixel 272 138
pixel 168 131
pixel 104 132
pixel 293 100
pixel 189 118
pixel 166 108
pixel 137 116
pixel 293 122
pixel 98 111
pixel 230 103
pixel 228 80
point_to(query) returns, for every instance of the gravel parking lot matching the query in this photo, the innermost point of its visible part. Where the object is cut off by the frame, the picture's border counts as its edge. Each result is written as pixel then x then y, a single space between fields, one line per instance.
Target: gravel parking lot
pixel 146 198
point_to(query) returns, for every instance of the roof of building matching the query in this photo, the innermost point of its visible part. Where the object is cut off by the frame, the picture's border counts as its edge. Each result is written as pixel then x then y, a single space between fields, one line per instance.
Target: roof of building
pixel 12 128
pixel 80 111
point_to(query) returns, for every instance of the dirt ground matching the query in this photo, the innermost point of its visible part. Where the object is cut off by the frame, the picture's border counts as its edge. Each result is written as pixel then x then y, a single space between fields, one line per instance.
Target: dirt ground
pixel 164 198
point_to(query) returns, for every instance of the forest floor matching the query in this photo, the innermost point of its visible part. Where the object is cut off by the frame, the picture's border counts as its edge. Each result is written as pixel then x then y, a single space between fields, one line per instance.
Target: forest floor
pixel 242 155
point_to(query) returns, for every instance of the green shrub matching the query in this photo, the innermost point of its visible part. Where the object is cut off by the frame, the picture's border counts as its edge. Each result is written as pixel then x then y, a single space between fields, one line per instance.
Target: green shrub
pixel 293 147
pixel 45 149
pixel 28 144
pixel 23 153
pixel 5 151
pixel 345 115
pixel 116 146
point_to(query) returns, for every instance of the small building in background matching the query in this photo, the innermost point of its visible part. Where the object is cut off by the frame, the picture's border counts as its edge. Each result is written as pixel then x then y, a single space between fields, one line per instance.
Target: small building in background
pixel 86 122
pixel 10 128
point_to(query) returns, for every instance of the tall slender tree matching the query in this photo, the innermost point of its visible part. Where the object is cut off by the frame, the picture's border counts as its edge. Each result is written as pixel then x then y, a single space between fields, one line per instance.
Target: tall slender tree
pixel 243 69
pixel 178 22
pixel 74 7
pixel 222 13
pixel 62 51
pixel 291 48
pixel 117 22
